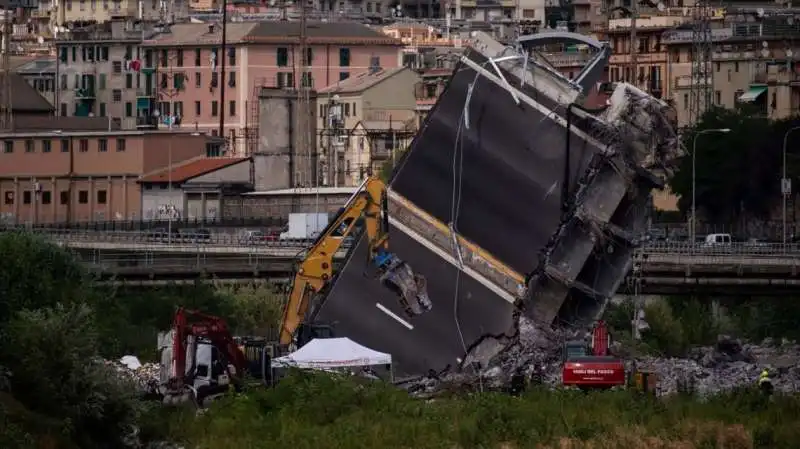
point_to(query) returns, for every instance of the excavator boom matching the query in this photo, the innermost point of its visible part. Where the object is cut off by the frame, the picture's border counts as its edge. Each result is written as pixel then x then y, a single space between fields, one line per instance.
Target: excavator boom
pixel 367 206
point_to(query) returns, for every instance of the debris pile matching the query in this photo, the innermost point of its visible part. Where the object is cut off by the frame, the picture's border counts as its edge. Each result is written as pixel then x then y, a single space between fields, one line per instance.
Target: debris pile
pixel 705 371
pixel 145 376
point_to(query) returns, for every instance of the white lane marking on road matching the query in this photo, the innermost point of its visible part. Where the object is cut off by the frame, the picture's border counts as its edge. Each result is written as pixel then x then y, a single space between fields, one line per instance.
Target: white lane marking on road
pixel 393 315
pixel 439 252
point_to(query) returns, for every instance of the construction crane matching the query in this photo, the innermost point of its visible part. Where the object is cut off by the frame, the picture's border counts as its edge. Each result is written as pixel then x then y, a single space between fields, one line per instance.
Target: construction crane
pixel 5 89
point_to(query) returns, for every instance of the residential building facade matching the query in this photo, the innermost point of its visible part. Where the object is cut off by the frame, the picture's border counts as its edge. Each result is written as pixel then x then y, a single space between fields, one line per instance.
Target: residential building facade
pixel 351 115
pixel 52 176
pixel 64 12
pixel 41 75
pixel 102 72
pixel 262 54
pixel 751 65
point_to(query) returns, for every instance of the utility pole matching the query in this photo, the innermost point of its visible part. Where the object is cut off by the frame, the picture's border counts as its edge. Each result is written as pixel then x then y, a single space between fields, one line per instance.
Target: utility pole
pixel 5 89
pixel 223 55
pixel 634 44
pixel 304 101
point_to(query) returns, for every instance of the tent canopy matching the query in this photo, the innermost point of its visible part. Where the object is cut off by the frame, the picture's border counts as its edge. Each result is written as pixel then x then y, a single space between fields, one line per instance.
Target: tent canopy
pixel 327 353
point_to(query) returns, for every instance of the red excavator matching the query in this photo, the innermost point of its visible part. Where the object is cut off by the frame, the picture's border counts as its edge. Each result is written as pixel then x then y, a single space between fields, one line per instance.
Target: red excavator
pixel 591 366
pixel 201 359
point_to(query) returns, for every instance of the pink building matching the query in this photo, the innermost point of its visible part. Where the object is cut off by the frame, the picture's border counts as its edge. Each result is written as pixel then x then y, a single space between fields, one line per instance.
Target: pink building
pixel 187 68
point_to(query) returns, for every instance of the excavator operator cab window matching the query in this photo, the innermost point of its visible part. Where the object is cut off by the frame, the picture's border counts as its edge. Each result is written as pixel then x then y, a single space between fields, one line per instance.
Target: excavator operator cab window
pixel 217 364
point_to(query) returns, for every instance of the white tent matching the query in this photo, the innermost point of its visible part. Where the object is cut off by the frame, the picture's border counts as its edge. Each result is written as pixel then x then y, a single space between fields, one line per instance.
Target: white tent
pixel 328 353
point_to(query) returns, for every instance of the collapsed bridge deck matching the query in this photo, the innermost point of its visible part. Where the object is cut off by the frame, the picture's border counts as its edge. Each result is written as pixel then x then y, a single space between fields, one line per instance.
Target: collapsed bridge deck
pixel 548 196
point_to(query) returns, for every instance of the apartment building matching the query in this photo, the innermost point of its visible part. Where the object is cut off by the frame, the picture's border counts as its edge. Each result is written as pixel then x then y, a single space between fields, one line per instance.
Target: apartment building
pixel 359 121
pixel 651 51
pixel 63 12
pixel 56 176
pixel 189 68
pixel 102 71
pixel 753 64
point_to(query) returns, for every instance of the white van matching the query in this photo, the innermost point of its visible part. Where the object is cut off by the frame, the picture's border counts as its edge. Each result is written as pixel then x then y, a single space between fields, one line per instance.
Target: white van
pixel 718 240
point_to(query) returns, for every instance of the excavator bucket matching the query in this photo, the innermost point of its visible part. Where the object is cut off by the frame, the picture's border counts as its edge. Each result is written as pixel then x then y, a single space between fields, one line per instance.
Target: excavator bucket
pixel 411 288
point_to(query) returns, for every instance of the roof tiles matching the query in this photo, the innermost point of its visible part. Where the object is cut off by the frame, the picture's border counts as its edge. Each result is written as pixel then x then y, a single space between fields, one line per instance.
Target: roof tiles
pixel 192 169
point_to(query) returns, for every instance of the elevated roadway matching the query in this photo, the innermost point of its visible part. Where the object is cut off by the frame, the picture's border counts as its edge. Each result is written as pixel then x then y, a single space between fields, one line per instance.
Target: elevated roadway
pixel 658 269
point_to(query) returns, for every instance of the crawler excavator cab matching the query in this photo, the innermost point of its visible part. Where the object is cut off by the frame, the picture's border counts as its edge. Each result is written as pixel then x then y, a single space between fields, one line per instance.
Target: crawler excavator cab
pixel 411 288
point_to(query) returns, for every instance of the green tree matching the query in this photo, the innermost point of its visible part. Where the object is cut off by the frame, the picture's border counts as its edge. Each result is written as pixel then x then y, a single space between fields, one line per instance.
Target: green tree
pixel 735 172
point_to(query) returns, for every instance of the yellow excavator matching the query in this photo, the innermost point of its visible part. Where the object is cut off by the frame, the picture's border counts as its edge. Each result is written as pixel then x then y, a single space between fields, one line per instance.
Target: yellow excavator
pixel 368 208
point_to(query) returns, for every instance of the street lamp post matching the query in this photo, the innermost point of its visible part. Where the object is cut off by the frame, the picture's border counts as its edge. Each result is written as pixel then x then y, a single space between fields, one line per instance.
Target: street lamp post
pixel 786 186
pixel 693 223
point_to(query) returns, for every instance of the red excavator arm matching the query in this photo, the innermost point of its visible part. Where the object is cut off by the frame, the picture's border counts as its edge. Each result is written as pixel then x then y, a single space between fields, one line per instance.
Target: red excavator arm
pixel 198 324
pixel 601 340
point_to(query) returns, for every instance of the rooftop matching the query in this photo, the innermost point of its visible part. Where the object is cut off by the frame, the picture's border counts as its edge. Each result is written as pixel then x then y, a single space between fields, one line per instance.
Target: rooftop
pixel 307 191
pixel 24 98
pixel 191 169
pixel 361 82
pixel 319 33
pixel 271 32
pixel 201 34
pixel 36 66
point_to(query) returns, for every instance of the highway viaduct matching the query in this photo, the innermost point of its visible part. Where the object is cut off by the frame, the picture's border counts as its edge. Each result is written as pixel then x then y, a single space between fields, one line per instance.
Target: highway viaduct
pixel 656 270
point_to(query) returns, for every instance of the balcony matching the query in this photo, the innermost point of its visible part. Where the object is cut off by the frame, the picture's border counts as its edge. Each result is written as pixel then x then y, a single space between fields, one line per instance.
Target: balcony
pixel 641 58
pixel 643 23
pixel 687 36
pixel 567 59
pixel 148 122
pixel 85 93
pixel 686 82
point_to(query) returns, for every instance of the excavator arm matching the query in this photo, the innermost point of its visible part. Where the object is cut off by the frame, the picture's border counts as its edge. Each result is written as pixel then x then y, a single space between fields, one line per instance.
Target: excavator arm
pixel 367 205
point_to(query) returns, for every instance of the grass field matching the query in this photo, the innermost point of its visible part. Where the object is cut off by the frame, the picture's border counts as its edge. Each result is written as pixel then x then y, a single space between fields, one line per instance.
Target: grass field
pixel 312 411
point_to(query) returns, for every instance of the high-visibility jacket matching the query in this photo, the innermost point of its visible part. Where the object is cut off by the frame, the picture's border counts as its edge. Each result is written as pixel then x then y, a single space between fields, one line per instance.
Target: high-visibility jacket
pixel 764 378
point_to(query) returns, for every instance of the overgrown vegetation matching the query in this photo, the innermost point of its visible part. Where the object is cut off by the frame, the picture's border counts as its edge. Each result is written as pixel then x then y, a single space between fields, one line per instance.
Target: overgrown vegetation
pixel 309 411
pixel 55 392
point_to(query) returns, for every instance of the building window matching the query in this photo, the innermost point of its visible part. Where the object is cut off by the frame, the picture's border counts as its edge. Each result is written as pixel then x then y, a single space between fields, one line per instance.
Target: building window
pixel 128 109
pixel 197 54
pixel 231 57
pixel 63 110
pixel 46 197
pixel 198 108
pixel 102 112
pixel 198 80
pixel 120 145
pixel 116 67
pixel 736 66
pixel 179 58
pixel 344 57
pixel 309 56
pixel 101 197
pixel 282 59
pixel 83 196
pixel 285 79
pixel 46 146
pixel 8 146
pixel 344 75
pixel 64 197
pixel 26 197
pixel 64 82
pixel 214 109
pixel 116 95
pixel 718 98
pixel 83 145
pixel 374 62
pixel 307 80
pixel 102 145
pixel 8 198
pixel 64 146
pixel 129 80
pixel 232 79
pixel 232 109
pixel 164 58
pixel 29 146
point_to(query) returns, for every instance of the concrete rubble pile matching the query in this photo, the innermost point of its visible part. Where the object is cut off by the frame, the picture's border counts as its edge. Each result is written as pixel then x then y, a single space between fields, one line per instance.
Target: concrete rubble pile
pixel 705 371
pixel 144 375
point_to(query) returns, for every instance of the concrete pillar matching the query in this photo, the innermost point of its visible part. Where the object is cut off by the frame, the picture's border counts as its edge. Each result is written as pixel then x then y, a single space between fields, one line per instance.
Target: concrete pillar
pixel 109 199
pixel 203 205
pixel 125 197
pixel 55 198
